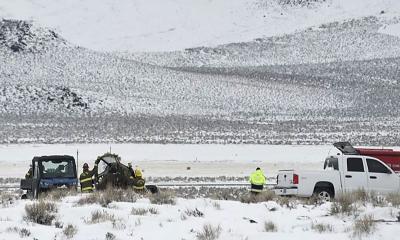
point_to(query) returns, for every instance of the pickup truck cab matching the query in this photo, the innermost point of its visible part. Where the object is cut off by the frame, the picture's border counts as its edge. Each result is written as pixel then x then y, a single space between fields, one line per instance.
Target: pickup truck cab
pixel 342 173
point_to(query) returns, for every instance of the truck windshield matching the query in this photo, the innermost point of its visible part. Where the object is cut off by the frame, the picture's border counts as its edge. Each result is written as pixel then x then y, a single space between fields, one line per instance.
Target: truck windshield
pixel 57 168
pixel 331 163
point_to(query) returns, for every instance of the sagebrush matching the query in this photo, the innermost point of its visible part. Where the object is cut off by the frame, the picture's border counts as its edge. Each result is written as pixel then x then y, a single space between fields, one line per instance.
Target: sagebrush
pixel 209 232
pixel 270 226
pixel 344 204
pixel 41 212
pixel 70 231
pixel 321 227
pixel 22 232
pixel 163 197
pixel 104 198
pixel 364 226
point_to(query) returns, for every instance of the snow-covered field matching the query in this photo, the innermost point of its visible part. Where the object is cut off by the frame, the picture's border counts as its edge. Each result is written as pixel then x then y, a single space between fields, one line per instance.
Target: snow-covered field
pixel 173 159
pixel 233 220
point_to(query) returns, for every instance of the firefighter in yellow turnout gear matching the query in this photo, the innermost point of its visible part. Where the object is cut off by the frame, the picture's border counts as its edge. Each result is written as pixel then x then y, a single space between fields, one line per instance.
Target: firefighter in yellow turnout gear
pixel 86 178
pixel 257 180
pixel 138 180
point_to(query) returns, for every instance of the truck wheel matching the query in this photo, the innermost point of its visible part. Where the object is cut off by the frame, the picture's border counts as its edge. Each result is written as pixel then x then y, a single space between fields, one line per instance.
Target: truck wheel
pixel 323 194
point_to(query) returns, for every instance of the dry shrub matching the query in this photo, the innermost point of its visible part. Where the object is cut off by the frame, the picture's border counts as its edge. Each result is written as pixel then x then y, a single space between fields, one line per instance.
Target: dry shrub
pixel 100 216
pixel 393 199
pixel 313 200
pixel 22 232
pixel 377 200
pixel 209 232
pixel 118 224
pixel 139 211
pixel 360 195
pixel 320 227
pixel 184 217
pixel 7 199
pixel 70 231
pixel 288 202
pixel 216 205
pixel 108 196
pixel 163 197
pixel 41 212
pixel 153 211
pixel 364 226
pixel 110 236
pixel 263 196
pixel 194 213
pixel 269 226
pixel 59 224
pixel 344 204
pixel 57 194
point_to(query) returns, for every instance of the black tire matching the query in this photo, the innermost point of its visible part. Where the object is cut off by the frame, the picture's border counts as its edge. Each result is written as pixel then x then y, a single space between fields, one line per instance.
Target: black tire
pixel 324 194
pixel 152 188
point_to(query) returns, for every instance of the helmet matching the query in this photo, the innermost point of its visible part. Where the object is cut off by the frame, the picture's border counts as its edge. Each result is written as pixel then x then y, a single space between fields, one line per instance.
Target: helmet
pixel 258 168
pixel 138 172
pixel 129 164
pixel 85 166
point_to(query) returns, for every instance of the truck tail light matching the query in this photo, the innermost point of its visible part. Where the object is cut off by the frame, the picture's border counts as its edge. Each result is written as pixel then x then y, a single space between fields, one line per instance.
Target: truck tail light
pixel 295 179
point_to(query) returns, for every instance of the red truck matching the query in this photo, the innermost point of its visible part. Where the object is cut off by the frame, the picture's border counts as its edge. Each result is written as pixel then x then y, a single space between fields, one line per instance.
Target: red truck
pixel 388 156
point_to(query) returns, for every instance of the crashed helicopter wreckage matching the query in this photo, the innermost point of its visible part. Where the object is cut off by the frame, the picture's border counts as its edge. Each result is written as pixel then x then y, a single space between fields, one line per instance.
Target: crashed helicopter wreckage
pixel 111 172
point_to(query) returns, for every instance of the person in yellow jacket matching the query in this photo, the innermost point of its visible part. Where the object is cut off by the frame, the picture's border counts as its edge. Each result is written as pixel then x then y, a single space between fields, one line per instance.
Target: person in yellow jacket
pixel 138 181
pixel 86 177
pixel 257 180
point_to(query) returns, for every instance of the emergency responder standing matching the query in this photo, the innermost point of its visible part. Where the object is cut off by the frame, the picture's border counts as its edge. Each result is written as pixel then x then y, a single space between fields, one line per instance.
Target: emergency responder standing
pixel 29 174
pixel 86 177
pixel 138 180
pixel 257 180
pixel 131 172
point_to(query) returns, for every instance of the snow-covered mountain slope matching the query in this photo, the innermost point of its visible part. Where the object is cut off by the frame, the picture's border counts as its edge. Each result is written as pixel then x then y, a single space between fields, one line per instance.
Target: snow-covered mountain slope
pixel 74 91
pixel 108 82
pixel 350 40
pixel 166 25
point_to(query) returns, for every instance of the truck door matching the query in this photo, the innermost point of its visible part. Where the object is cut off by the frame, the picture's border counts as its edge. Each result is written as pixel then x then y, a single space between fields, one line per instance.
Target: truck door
pixel 380 178
pixel 355 176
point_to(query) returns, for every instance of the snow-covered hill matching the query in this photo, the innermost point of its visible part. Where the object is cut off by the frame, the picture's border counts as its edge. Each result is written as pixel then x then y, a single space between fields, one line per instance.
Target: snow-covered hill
pixel 332 76
pixel 166 25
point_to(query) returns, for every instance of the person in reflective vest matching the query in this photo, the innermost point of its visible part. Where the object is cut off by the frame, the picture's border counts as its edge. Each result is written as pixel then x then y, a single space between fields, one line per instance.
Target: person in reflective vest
pixel 86 178
pixel 138 180
pixel 257 180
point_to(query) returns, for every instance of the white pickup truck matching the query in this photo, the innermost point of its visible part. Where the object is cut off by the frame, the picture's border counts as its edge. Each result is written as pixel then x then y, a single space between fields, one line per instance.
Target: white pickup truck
pixel 345 172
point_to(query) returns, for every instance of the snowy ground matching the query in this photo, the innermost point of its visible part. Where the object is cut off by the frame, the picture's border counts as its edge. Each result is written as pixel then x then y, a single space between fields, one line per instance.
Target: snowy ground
pixel 295 220
pixel 173 159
